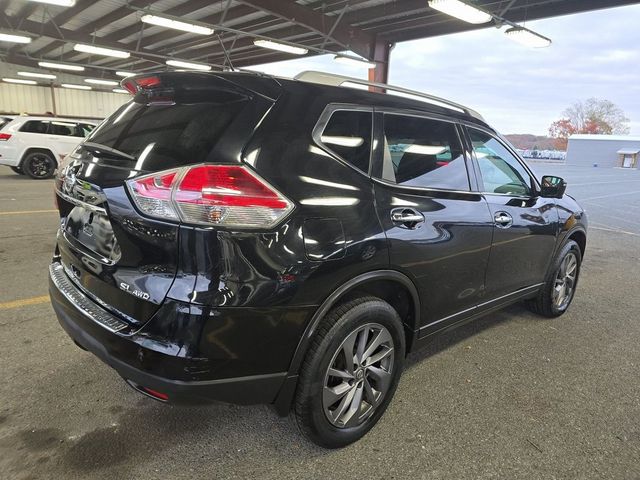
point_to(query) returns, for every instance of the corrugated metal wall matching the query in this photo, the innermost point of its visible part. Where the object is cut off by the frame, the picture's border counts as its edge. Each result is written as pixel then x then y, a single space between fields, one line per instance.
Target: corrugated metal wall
pixel 78 103
pixel 587 152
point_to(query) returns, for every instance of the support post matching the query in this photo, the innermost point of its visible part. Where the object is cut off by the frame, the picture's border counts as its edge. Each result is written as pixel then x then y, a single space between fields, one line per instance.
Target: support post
pixel 53 100
pixel 380 74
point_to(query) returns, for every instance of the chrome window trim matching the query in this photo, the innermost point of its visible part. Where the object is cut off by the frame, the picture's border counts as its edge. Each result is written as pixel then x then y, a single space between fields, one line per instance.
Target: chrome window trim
pixel 424 189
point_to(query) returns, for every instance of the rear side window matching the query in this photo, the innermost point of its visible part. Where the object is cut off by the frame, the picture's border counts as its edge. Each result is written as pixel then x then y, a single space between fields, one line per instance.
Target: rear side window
pixel 65 129
pixel 83 129
pixel 35 126
pixel 348 134
pixel 420 152
pixel 163 136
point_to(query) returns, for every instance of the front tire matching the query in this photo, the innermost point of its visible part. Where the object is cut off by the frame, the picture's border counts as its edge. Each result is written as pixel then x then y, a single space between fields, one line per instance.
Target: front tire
pixel 350 372
pixel 559 288
pixel 39 165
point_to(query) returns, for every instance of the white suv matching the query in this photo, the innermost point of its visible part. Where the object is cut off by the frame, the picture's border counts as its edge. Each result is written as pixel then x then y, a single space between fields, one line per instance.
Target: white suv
pixel 35 145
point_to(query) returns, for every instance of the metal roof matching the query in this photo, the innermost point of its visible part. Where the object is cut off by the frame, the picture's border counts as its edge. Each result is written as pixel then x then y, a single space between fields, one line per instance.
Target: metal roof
pixel 322 26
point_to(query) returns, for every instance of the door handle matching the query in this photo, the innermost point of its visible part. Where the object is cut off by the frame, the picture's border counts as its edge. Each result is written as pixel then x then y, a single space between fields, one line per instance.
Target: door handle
pixel 406 217
pixel 503 219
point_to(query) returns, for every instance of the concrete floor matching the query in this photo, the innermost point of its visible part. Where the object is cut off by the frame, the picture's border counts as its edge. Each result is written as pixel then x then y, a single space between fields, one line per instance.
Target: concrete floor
pixel 510 396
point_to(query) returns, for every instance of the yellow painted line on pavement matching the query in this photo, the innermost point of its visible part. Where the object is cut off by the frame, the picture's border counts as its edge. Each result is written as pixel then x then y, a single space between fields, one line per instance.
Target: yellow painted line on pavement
pixel 27 212
pixel 24 302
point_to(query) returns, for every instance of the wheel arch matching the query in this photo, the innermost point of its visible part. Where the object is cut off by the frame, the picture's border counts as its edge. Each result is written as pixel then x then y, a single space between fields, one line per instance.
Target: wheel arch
pixel 371 283
pixel 580 237
pixel 29 150
pixel 366 283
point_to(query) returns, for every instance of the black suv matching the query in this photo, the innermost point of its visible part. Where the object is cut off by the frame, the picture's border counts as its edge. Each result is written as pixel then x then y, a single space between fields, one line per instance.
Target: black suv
pixel 251 239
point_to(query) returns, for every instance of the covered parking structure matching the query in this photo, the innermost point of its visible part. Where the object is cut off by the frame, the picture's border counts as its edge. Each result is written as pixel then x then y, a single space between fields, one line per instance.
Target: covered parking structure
pixel 510 396
pixel 364 29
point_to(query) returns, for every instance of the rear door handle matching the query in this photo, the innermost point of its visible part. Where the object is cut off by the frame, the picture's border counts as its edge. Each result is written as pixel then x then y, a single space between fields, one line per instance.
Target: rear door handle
pixel 407 217
pixel 503 219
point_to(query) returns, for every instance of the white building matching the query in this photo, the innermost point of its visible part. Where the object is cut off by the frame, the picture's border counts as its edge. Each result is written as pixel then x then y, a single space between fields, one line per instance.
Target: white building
pixel 602 150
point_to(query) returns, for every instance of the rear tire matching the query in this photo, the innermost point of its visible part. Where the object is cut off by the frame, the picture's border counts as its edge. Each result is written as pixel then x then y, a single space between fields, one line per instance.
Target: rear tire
pixel 341 395
pixel 17 170
pixel 559 287
pixel 39 165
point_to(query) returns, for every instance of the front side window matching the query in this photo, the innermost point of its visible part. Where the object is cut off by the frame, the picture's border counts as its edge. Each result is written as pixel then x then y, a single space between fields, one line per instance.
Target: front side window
pixel 348 133
pixel 420 152
pixel 501 171
pixel 35 126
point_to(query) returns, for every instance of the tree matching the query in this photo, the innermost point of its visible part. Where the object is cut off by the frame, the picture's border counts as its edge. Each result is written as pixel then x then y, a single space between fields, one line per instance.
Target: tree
pixel 594 116
pixel 561 130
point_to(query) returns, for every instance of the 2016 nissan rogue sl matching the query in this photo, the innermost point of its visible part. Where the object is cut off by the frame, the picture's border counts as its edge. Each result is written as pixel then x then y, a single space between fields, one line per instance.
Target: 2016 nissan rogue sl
pixel 244 238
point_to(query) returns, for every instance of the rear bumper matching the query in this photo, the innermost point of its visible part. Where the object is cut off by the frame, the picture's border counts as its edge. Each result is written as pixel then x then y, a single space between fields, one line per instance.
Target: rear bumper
pixel 177 371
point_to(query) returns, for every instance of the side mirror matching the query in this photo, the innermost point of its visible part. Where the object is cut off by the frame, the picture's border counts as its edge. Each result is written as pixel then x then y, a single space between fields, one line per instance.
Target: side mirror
pixel 553 187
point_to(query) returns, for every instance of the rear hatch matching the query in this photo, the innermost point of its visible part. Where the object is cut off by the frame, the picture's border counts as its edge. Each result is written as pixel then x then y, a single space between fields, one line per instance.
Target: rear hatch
pixel 122 259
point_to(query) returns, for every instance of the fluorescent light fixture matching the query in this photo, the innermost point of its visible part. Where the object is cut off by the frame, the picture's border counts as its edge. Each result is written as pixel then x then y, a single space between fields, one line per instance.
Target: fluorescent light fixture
pixel 527 38
pixel 77 87
pixel 425 149
pixel 61 3
pixel 37 75
pixel 20 80
pixel 282 47
pixel 61 66
pixel 354 61
pixel 8 37
pixel 188 65
pixel 125 74
pixel 461 10
pixel 176 24
pixel 97 81
pixel 351 142
pixel 119 90
pixel 107 52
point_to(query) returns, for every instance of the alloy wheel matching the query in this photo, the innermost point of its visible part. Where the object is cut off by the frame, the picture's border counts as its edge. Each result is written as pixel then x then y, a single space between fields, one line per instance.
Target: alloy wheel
pixel 358 376
pixel 40 165
pixel 565 283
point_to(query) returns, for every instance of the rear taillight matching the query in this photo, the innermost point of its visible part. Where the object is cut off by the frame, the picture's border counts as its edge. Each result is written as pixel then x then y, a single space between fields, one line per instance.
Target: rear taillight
pixel 4 137
pixel 222 195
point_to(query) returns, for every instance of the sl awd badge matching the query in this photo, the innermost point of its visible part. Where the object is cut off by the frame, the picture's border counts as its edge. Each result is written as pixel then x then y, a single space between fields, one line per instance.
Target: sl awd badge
pixel 136 293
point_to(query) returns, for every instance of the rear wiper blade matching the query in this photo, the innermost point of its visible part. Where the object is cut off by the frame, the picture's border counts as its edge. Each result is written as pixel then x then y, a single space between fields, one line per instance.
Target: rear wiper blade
pixel 106 151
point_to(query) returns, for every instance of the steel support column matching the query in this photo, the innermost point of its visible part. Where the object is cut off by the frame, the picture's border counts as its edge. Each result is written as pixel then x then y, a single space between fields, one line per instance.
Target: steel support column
pixel 380 74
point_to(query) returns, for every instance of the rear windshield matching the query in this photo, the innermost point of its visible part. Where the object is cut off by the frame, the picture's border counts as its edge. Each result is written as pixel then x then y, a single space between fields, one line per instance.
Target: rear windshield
pixel 162 136
pixel 4 121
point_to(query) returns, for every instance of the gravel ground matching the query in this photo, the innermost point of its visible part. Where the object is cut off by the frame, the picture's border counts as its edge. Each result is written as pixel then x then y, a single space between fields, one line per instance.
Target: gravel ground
pixel 508 396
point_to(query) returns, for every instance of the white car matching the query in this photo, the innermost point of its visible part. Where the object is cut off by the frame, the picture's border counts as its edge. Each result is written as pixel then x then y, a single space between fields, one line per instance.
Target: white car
pixel 35 145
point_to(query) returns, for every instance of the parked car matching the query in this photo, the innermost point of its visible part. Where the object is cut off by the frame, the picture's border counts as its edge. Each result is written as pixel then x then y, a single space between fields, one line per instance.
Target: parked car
pixel 35 145
pixel 251 239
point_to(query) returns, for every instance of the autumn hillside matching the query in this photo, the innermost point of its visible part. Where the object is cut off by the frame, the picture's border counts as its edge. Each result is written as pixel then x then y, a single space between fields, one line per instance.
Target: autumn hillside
pixel 530 142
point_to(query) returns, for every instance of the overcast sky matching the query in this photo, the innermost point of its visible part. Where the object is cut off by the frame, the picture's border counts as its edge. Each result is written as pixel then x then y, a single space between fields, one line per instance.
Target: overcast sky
pixel 518 90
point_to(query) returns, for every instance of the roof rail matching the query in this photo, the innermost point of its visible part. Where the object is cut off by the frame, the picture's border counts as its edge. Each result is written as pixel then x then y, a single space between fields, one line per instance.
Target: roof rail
pixel 324 78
